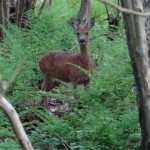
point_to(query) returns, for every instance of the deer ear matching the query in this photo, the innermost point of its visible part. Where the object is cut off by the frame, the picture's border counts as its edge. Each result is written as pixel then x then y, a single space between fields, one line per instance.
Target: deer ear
pixel 73 23
pixel 91 23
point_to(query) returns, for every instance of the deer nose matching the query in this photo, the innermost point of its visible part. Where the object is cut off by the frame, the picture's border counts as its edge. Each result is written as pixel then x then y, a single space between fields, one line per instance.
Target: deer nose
pixel 82 41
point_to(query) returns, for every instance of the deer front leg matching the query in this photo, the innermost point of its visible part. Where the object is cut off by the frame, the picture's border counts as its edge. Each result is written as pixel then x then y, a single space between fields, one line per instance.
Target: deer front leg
pixel 75 85
pixel 48 84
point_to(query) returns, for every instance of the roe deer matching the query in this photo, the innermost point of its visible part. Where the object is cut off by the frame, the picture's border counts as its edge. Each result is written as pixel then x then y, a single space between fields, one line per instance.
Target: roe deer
pixel 63 65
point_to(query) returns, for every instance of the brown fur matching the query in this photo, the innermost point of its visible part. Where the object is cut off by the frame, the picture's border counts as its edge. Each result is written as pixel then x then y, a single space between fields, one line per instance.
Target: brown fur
pixel 65 66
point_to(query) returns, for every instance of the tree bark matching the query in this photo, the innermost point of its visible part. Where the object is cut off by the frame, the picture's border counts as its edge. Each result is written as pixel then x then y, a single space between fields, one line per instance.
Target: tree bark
pixel 146 5
pixel 6 9
pixel 17 12
pixel 50 2
pixel 84 11
pixel 12 2
pixel 20 15
pixel 33 4
pixel 138 50
pixel 2 18
pixel 42 7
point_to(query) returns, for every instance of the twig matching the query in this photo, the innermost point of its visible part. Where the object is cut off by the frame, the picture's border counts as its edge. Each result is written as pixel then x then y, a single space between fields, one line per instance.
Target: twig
pixel 74 47
pixel 4 84
pixel 124 10
pixel 16 72
pixel 64 142
pixel 106 34
pixel 104 128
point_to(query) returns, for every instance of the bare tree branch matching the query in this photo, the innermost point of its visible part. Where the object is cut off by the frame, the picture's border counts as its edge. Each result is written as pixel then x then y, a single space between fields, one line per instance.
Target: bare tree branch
pixel 16 72
pixel 124 10
pixel 16 123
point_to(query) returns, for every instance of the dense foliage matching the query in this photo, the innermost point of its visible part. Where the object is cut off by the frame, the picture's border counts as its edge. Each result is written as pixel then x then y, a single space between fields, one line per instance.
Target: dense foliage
pixel 105 116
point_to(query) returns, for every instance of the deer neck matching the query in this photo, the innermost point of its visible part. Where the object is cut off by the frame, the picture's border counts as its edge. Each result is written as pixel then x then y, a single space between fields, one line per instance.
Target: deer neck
pixel 84 51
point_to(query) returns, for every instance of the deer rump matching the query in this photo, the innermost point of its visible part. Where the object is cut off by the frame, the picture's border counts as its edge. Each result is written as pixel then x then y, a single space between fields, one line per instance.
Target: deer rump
pixel 66 66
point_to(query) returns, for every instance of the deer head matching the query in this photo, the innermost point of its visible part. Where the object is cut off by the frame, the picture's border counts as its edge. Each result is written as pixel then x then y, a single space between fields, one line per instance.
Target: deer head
pixel 82 30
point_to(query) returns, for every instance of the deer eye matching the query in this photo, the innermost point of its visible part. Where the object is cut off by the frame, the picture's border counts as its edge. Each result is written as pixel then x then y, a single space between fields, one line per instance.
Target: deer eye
pixel 78 33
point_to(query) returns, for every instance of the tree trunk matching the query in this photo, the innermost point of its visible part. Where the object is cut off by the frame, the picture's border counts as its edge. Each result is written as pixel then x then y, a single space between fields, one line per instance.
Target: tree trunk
pixel 138 50
pixel 12 2
pixel 84 11
pixel 17 12
pixel 33 4
pixel 2 19
pixel 6 9
pixel 146 6
pixel 50 2
pixel 21 11
pixel 42 7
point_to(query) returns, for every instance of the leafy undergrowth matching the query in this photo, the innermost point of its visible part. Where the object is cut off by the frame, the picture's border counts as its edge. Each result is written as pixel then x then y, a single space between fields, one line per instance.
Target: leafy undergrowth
pixel 105 116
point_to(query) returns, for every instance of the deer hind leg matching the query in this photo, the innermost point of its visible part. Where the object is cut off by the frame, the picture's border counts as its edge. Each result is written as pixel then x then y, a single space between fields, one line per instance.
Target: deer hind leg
pixel 47 85
pixel 75 85
pixel 86 86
